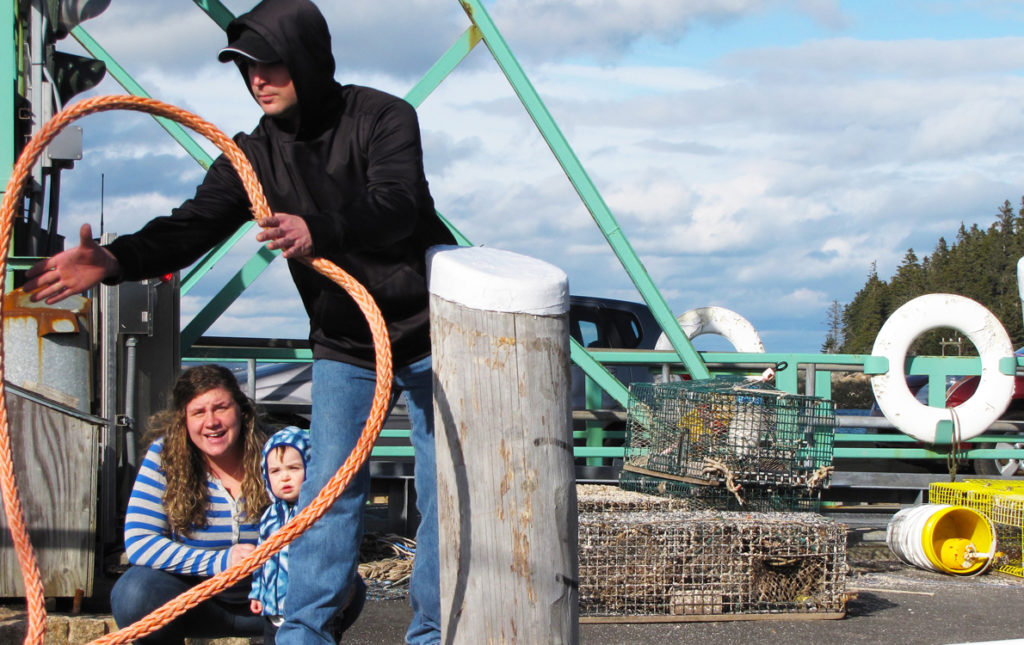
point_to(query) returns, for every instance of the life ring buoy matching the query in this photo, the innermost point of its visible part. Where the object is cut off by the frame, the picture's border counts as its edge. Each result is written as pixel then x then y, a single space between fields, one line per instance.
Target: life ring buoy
pixel 922 314
pixel 720 321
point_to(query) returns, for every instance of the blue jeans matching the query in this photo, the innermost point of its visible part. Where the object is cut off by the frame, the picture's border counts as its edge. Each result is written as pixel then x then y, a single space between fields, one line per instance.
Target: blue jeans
pixel 141 589
pixel 323 560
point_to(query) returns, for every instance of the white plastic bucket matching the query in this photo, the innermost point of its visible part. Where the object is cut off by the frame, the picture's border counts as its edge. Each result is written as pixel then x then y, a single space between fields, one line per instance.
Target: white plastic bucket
pixel 943 538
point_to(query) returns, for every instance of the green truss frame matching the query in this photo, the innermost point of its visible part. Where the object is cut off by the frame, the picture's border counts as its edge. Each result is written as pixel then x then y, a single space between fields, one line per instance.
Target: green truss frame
pixel 682 357
pixel 482 30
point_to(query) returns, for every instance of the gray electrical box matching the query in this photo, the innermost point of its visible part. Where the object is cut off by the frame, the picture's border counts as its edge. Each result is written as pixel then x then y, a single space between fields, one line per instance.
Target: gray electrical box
pixel 147 322
pixel 137 304
pixel 67 145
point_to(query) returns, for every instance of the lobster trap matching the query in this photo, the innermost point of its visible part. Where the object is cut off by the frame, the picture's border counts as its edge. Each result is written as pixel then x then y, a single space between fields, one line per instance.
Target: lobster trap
pixel 1002 502
pixel 597 498
pixel 705 565
pixel 729 431
pixel 758 499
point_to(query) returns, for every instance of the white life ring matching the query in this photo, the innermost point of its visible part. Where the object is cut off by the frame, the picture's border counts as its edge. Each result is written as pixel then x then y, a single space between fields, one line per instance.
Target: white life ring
pixel 922 314
pixel 717 320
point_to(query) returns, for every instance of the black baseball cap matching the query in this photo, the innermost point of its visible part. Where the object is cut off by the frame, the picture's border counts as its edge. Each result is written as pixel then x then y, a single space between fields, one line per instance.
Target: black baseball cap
pixel 250 45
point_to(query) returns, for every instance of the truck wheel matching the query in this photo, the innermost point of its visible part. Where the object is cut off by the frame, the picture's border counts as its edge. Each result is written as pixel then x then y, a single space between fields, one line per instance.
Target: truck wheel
pixel 1002 468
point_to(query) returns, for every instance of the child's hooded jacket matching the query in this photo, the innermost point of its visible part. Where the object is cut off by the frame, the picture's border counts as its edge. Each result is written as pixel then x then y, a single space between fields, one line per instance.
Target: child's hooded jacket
pixel 270 582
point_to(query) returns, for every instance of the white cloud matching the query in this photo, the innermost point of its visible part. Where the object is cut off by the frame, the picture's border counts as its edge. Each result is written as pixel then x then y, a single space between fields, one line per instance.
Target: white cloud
pixel 766 181
pixel 606 29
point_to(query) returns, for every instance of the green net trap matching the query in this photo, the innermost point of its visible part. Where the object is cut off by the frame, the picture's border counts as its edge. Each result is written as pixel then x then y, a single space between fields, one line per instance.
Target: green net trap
pixel 729 431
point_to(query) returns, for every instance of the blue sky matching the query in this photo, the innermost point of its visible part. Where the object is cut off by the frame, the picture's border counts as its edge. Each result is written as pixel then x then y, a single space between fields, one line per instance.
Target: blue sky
pixel 759 154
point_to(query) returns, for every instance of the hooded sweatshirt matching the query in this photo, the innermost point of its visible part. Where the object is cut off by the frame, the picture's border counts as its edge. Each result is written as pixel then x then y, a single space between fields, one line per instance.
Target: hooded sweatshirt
pixel 270 581
pixel 351 167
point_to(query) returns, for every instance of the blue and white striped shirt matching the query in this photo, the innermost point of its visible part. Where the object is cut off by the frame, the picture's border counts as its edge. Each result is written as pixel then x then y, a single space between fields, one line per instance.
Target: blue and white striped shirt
pixel 204 552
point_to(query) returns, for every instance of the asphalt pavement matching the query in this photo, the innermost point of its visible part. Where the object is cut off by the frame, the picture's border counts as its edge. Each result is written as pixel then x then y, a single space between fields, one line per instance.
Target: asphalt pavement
pixel 890 603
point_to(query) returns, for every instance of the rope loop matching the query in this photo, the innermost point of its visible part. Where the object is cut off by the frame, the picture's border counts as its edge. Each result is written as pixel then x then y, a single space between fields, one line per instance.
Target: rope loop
pixel 714 466
pixel 955 454
pixel 35 601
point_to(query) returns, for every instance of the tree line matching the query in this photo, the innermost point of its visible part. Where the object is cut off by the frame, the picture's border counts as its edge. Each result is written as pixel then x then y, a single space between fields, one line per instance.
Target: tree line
pixel 981 264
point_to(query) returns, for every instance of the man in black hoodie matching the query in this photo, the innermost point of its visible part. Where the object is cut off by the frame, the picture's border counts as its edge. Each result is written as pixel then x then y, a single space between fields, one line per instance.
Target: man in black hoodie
pixel 342 170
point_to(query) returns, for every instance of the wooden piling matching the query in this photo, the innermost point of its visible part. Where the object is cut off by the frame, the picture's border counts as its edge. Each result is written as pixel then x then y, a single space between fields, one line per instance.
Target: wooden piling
pixel 505 477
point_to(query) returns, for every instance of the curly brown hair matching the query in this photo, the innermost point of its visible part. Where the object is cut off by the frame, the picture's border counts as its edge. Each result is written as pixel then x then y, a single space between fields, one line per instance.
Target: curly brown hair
pixel 185 497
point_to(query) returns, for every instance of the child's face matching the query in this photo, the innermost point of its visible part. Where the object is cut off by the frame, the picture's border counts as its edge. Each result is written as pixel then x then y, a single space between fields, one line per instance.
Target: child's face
pixel 286 472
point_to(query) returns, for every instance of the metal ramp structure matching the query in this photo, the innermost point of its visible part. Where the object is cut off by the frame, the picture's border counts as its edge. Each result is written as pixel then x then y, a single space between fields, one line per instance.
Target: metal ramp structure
pixel 26 100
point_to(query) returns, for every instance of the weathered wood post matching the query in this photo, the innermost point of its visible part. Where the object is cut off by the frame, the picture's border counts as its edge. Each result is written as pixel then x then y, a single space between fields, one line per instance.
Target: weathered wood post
pixel 506 491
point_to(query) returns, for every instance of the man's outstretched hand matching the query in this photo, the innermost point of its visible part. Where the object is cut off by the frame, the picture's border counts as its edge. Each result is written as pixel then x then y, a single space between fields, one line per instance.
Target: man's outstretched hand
pixel 72 271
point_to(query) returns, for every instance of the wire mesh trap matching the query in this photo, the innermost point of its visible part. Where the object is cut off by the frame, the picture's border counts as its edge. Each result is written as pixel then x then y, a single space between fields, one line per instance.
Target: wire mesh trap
pixel 728 430
pixel 596 498
pixel 760 499
pixel 704 565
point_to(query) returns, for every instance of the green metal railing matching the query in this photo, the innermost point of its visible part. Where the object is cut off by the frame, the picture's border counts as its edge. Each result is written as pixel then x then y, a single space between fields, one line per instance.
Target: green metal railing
pixel 814 368
pixel 683 358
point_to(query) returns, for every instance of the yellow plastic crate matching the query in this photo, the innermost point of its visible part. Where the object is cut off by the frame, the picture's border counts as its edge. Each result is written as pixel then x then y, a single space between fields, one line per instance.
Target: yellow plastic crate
pixel 1002 501
pixel 973 493
pixel 1008 516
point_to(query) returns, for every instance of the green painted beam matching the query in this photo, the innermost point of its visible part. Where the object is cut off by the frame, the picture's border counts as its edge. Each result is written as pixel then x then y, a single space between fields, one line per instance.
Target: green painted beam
pixel 607 452
pixel 9 74
pixel 123 78
pixel 220 14
pixel 599 373
pixel 444 66
pixel 203 267
pixel 227 295
pixel 262 354
pixel 584 187
pixel 921 453
pixel 392 451
pixel 893 436
pixel 595 429
pixel 823 384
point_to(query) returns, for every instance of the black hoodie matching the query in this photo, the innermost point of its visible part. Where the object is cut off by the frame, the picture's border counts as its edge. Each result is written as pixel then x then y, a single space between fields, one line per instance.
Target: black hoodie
pixel 352 168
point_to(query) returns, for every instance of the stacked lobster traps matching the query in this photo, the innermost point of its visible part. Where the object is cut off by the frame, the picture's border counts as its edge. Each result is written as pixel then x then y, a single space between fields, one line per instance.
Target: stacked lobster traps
pixel 729 444
pixel 709 520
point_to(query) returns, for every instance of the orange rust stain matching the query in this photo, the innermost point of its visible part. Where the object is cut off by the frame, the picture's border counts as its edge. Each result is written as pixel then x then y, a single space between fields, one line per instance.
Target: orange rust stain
pixel 49 318
pixel 506 480
pixel 521 561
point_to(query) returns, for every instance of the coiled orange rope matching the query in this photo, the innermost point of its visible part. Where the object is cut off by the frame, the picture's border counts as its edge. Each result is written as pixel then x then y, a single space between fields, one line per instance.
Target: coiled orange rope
pixel 382 394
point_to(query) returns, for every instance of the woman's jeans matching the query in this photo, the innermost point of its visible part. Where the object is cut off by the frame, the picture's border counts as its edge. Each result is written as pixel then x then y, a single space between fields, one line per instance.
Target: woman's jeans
pixel 141 589
pixel 323 560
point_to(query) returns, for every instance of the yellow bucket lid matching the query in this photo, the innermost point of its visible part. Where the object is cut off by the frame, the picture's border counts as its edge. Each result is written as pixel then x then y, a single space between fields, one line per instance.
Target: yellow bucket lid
pixel 952 536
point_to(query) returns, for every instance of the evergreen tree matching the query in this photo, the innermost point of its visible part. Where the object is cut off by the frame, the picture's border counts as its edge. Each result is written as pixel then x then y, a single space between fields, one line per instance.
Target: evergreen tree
pixel 909 281
pixel 834 323
pixel 980 264
pixel 863 317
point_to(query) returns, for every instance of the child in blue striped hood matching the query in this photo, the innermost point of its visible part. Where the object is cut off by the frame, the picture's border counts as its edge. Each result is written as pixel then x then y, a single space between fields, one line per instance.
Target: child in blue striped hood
pixel 285 457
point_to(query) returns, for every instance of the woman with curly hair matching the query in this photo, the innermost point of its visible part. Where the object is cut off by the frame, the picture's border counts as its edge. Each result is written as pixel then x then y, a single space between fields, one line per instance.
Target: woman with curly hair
pixel 194 509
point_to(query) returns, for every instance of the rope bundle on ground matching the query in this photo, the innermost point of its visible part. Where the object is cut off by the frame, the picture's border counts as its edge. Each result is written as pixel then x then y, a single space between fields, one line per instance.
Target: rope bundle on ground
pixel 385 562
pixel 9 209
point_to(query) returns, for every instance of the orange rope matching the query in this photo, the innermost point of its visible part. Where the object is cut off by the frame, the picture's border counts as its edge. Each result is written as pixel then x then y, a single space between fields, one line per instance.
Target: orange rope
pixel 381 397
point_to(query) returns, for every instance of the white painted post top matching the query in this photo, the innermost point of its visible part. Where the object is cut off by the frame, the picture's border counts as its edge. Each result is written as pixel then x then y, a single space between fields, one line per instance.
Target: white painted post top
pixel 494 280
